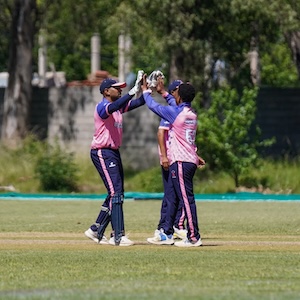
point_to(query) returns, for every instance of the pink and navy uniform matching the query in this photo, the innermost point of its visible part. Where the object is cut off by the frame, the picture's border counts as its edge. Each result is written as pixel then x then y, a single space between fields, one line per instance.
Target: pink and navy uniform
pixel 183 159
pixel 180 215
pixel 107 139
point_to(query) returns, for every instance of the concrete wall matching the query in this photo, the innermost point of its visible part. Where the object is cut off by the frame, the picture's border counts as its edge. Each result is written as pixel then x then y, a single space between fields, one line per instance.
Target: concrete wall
pixel 67 114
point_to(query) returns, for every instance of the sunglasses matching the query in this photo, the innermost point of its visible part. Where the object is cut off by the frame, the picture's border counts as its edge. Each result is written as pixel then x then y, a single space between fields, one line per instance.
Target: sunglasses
pixel 116 87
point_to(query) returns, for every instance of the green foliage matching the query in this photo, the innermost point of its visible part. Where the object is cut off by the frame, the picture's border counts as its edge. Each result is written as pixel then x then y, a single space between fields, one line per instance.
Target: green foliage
pixel 224 139
pixel 278 69
pixel 69 28
pixel 18 170
pixel 56 170
pixel 254 182
pixel 147 181
pixel 183 38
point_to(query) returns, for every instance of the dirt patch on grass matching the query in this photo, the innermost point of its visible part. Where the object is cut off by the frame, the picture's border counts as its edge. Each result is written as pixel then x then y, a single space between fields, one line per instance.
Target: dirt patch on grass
pixel 8 239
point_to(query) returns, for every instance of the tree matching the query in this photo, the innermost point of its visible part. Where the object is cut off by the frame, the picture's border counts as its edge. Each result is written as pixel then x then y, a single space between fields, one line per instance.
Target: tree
pixel 5 18
pixel 69 26
pixel 278 69
pixel 292 34
pixel 224 138
pixel 18 93
pixel 191 36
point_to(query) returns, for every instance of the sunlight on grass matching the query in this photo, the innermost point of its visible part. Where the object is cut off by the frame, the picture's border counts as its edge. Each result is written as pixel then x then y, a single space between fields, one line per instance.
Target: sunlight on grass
pixel 251 251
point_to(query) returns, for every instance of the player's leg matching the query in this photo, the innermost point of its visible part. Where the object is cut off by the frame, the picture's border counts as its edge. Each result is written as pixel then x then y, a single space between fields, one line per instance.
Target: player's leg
pixel 160 238
pixel 115 177
pixel 163 210
pixel 100 160
pixel 117 217
pixel 183 183
pixel 171 204
pixel 179 227
pixel 165 234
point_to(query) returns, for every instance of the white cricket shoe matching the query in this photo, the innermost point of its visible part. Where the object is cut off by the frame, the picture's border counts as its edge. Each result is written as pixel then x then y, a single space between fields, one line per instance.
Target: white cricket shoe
pixel 156 232
pixel 180 233
pixel 188 243
pixel 161 239
pixel 125 241
pixel 93 236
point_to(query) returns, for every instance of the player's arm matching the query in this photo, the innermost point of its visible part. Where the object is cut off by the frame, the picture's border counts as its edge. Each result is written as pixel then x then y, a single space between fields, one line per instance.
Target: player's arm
pixel 118 104
pixel 168 113
pixel 162 147
pixel 201 162
pixel 106 108
pixel 170 99
pixel 162 91
pixel 122 103
pixel 135 103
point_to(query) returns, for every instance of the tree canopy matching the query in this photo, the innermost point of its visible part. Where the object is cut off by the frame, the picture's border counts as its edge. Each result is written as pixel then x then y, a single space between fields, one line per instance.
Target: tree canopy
pixel 209 42
pixel 183 38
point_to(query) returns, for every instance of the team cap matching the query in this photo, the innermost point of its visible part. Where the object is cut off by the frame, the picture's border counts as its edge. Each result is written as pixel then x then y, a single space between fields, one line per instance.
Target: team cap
pixel 174 85
pixel 109 82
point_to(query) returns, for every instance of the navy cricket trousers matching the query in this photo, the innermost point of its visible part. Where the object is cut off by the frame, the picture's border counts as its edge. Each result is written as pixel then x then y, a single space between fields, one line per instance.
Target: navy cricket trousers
pixel 109 166
pixel 180 215
pixel 181 176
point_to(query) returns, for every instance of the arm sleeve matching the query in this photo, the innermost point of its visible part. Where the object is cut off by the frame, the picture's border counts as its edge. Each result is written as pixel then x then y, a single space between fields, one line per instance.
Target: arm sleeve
pixel 170 99
pixel 168 113
pixel 118 104
pixel 164 124
pixel 132 104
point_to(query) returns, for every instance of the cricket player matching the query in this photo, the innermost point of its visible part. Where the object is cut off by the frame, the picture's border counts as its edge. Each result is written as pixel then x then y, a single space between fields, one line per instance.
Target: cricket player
pixel 162 137
pixel 183 160
pixel 106 157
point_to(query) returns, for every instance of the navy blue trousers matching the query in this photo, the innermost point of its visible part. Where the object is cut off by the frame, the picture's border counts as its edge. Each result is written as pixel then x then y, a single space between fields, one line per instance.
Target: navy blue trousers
pixel 180 215
pixel 181 176
pixel 109 166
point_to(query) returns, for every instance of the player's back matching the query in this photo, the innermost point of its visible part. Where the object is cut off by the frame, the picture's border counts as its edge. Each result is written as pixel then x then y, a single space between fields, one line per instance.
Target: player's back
pixel 182 135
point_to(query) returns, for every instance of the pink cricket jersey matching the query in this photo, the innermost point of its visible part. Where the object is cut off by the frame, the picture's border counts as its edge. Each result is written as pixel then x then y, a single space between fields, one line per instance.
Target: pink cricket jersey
pixel 182 135
pixel 108 132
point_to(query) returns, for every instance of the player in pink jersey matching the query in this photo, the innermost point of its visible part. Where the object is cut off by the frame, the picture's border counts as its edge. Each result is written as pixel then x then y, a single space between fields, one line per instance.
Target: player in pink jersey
pixel 183 160
pixel 106 157
pixel 162 137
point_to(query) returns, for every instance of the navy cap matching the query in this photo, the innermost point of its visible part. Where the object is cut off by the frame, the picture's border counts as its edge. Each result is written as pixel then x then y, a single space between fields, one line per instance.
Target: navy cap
pixel 174 85
pixel 109 82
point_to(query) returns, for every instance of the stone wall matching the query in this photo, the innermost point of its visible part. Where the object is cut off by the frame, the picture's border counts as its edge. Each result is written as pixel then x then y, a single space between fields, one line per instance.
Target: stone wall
pixel 66 114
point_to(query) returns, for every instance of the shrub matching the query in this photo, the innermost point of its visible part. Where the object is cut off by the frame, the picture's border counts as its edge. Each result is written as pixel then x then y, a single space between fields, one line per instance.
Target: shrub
pixel 56 170
pixel 224 132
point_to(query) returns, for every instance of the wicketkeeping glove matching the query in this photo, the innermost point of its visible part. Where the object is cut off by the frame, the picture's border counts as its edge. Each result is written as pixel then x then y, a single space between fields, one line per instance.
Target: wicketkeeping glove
pixel 138 83
pixel 152 79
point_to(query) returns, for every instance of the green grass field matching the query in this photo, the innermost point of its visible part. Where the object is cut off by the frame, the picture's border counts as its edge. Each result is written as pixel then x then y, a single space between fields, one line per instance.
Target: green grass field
pixel 251 251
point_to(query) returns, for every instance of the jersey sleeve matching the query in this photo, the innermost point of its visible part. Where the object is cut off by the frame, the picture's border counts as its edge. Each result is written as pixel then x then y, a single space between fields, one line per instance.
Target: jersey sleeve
pixel 106 108
pixel 170 99
pixel 102 109
pixel 164 124
pixel 132 104
pixel 169 113
pixel 121 103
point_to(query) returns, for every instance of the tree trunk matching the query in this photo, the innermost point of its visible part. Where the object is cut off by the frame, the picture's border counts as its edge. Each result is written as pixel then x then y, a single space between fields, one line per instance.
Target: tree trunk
pixel 254 62
pixel 17 97
pixel 173 71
